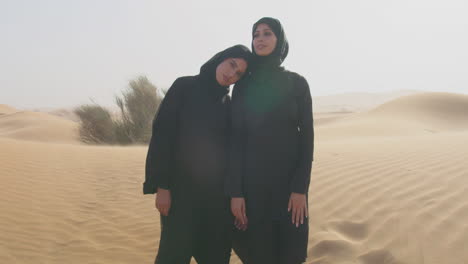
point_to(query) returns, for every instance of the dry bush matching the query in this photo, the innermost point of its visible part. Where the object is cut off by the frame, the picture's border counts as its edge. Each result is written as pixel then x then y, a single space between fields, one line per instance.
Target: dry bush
pixel 96 124
pixel 138 105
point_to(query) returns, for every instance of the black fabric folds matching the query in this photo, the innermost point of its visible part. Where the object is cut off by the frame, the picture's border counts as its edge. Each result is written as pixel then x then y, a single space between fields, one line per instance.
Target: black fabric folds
pixel 161 157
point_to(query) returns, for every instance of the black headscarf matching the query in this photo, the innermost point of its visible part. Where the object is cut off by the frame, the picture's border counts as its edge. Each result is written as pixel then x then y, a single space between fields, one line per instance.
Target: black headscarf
pixel 282 47
pixel 208 70
pixel 263 91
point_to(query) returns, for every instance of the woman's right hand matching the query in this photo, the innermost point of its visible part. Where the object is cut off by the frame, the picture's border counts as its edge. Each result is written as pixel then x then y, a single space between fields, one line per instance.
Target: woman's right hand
pixel 163 201
pixel 238 210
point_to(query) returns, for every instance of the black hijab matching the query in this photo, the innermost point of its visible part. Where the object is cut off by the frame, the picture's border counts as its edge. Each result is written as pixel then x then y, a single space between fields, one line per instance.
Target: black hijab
pixel 208 70
pixel 282 47
pixel 264 90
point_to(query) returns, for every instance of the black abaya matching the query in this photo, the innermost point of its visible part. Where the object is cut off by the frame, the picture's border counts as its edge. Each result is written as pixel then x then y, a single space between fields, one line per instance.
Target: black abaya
pixel 188 156
pixel 271 156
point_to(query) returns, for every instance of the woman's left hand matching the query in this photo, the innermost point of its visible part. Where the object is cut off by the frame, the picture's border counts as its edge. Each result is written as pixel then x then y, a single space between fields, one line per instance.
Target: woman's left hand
pixel 239 225
pixel 298 206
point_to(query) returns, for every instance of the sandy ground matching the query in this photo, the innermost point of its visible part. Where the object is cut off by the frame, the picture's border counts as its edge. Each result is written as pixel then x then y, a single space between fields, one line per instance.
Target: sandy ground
pixel 389 185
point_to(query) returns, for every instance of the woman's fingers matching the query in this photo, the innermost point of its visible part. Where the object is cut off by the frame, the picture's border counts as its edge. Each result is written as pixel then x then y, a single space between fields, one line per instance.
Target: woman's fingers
pixel 301 216
pixel 298 216
pixel 238 210
pixel 294 211
pixel 163 201
pixel 243 214
pixel 305 213
pixel 239 226
pixel 298 207
pixel 163 208
pixel 160 208
pixel 237 215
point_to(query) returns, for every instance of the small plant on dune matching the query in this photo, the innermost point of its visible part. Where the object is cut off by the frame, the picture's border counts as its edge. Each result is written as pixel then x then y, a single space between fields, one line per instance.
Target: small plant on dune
pixel 138 105
pixel 96 124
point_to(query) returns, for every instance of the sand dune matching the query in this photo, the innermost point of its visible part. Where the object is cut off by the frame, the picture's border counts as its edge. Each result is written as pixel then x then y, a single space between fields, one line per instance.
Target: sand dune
pixel 390 200
pixel 5 109
pixel 446 109
pixel 423 113
pixel 36 126
pixel 355 102
pixel 384 190
pixel 64 203
pixel 64 113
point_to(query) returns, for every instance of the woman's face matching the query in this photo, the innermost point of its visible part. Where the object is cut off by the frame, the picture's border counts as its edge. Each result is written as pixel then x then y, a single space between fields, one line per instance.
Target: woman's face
pixel 264 40
pixel 230 71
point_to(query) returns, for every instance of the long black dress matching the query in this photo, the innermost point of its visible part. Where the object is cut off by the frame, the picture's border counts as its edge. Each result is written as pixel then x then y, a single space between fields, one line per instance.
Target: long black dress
pixel 272 153
pixel 188 156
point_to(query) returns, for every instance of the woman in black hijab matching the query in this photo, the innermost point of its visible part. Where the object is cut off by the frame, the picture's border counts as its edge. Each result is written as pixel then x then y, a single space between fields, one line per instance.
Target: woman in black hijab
pixel 186 162
pixel 272 153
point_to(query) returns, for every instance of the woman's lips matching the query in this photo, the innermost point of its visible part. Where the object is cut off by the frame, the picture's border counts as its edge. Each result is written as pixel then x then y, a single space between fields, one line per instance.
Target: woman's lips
pixel 261 46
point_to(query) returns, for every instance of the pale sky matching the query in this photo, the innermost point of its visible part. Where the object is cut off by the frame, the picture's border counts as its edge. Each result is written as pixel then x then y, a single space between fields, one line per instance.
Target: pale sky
pixel 61 53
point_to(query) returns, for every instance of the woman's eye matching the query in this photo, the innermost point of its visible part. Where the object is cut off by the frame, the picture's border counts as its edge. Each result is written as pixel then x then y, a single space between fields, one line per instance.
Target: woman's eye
pixel 255 35
pixel 268 33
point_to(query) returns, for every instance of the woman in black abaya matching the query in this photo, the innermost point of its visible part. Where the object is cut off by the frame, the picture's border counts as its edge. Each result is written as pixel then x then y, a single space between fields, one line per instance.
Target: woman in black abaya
pixel 186 162
pixel 272 153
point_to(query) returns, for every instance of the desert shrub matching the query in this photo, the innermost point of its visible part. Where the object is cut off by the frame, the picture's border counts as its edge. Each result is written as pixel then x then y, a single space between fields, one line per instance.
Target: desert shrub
pixel 138 105
pixel 96 124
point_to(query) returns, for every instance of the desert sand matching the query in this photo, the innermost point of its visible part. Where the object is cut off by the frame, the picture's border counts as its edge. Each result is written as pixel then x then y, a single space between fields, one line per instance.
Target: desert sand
pixel 389 186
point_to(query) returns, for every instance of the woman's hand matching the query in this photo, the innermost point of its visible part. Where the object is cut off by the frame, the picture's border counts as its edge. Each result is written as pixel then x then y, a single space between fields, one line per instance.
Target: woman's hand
pixel 163 201
pixel 239 226
pixel 238 210
pixel 298 206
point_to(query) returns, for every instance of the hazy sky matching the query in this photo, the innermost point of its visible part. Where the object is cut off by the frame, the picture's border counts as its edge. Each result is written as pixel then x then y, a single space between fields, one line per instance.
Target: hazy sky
pixel 56 53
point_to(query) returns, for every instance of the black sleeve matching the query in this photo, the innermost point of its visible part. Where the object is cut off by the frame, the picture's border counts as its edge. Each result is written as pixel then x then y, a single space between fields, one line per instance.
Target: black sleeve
pixel 160 157
pixel 301 178
pixel 235 172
